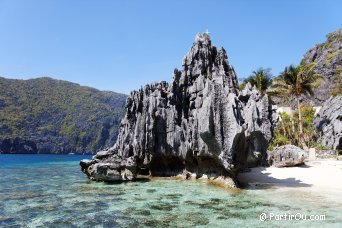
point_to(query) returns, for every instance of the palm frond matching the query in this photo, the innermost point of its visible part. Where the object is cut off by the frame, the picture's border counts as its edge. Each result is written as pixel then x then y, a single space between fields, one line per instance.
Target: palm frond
pixel 294 81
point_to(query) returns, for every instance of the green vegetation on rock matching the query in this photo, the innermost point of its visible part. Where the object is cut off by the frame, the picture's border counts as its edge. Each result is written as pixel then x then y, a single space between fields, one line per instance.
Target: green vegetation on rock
pixel 327 60
pixel 59 116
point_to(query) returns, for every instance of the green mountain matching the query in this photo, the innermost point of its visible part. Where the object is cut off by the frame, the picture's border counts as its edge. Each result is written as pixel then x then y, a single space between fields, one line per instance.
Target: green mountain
pixel 45 115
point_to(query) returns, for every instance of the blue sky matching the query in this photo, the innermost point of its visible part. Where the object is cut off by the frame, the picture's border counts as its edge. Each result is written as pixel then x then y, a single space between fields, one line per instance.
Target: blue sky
pixel 122 45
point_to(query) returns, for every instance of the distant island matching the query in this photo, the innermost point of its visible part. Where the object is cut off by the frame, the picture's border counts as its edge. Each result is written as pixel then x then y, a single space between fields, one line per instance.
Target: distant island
pixel 49 116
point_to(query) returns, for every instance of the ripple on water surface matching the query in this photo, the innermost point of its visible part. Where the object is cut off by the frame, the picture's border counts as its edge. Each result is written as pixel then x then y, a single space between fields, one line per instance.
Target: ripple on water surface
pixel 57 194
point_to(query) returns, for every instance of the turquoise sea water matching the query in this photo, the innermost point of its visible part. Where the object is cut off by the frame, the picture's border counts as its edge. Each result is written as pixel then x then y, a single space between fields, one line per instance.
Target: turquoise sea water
pixel 51 191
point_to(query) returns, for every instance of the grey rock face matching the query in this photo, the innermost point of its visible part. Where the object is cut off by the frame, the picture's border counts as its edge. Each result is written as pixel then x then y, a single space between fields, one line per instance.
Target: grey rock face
pixel 327 61
pixel 322 154
pixel 328 123
pixel 17 145
pixel 286 156
pixel 110 168
pixel 199 123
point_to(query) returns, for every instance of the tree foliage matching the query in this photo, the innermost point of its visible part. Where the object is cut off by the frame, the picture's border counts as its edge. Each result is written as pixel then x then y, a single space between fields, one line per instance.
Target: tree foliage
pixel 261 79
pixel 292 84
pixel 284 134
pixel 58 113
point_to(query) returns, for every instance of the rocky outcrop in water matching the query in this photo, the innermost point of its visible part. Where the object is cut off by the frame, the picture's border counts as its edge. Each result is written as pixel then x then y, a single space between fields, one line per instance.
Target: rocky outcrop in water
pixel 328 123
pixel 110 168
pixel 199 124
pixel 286 156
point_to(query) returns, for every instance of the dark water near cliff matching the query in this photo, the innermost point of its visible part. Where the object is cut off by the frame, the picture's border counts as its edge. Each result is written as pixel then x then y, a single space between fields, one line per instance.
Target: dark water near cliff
pixel 51 191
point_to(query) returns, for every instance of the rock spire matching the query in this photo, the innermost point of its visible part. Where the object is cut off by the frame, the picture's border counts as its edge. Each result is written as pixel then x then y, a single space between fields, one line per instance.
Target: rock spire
pixel 199 124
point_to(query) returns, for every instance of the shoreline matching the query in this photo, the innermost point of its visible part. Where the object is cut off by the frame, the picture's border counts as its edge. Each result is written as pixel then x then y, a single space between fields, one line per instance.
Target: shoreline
pixel 321 175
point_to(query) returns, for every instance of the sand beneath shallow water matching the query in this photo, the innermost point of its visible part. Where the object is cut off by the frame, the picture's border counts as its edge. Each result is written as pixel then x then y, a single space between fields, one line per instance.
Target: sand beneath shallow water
pixel 320 174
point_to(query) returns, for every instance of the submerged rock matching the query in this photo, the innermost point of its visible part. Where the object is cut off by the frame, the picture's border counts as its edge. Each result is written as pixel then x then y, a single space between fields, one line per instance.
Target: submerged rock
pixel 198 124
pixel 286 156
pixel 328 123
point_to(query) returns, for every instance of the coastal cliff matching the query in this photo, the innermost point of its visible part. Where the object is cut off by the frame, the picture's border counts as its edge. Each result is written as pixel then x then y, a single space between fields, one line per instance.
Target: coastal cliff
pixel 326 60
pixel 198 125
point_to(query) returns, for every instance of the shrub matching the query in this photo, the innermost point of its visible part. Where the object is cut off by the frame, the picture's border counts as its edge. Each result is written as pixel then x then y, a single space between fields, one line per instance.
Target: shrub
pixel 284 134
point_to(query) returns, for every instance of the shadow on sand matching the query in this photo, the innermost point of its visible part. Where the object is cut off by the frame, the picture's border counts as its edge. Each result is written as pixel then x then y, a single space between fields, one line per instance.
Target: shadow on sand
pixel 304 166
pixel 257 178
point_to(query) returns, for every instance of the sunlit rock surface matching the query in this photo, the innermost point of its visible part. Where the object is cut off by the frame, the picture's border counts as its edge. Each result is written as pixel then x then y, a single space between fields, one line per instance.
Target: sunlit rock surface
pixel 328 123
pixel 286 156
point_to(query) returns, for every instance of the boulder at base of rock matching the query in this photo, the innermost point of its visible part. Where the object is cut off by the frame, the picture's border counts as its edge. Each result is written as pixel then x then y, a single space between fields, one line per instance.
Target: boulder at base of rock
pixel 113 168
pixel 286 156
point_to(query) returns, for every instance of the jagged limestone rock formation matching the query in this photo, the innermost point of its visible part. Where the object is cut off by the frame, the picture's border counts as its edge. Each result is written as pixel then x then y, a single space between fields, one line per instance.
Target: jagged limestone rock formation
pixel 199 124
pixel 328 123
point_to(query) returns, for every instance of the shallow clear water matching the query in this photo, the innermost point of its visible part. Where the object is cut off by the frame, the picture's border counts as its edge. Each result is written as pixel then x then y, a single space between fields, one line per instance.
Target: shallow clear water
pixel 51 191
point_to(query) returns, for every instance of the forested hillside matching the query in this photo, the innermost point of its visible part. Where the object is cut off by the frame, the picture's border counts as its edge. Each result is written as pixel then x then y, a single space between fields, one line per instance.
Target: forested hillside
pixel 45 115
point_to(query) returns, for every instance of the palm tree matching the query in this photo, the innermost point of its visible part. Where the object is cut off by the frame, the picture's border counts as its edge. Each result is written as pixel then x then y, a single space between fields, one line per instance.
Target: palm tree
pixel 292 84
pixel 261 79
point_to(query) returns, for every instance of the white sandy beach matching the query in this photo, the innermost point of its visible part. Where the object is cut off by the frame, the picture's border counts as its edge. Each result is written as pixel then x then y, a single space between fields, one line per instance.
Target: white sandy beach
pixel 319 174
